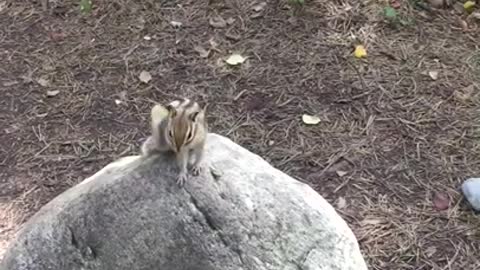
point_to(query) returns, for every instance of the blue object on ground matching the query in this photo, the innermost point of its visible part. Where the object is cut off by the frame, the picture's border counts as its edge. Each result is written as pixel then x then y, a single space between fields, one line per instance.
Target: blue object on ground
pixel 471 191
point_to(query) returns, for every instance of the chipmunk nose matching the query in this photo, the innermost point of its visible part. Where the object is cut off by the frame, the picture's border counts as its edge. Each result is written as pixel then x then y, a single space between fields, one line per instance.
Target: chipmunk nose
pixel 178 147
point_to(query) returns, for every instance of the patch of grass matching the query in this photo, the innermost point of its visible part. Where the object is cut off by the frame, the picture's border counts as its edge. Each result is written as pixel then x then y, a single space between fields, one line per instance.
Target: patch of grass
pixel 86 6
pixel 296 2
pixel 474 63
pixel 297 5
pixel 395 19
pixel 418 4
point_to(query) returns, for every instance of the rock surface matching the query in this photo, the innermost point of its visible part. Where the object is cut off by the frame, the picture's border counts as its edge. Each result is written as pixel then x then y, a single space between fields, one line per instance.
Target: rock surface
pixel 471 191
pixel 240 213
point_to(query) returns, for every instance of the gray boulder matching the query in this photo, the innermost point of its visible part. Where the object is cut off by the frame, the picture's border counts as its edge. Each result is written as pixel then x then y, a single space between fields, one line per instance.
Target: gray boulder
pixel 240 213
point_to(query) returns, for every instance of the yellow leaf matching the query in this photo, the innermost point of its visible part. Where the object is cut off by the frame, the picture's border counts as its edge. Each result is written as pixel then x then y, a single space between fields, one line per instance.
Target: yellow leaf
pixel 310 119
pixel 468 6
pixel 235 59
pixel 360 51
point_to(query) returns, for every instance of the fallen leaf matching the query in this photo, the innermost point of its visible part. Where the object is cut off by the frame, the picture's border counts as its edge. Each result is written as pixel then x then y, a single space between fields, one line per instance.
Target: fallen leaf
pixel 213 44
pixel 395 4
pixel 256 15
pixel 52 93
pixel 85 6
pixel 440 201
pixel 147 37
pixel 176 24
pixel 433 74
pixel 469 6
pixel 220 62
pixel 123 95
pixel 48 67
pixel 360 51
pixel 259 7
pixel 230 20
pixel 271 142
pixel 43 82
pixel 201 51
pixel 11 129
pixel 337 166
pixel 27 78
pixel 235 59
pixel 475 15
pixel 56 36
pixel 437 3
pixel 341 173
pixel 390 13
pixel 464 25
pixel 310 119
pixel 465 94
pixel 233 36
pixel 217 22
pixel 145 76
pixel 118 101
pixel 341 203
pixel 430 251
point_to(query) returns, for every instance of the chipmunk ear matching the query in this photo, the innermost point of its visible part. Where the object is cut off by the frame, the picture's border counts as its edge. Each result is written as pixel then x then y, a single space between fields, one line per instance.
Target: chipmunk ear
pixel 171 110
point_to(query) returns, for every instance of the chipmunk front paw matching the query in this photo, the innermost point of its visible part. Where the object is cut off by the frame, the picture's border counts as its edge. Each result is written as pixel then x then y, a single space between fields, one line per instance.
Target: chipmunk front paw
pixel 181 178
pixel 196 170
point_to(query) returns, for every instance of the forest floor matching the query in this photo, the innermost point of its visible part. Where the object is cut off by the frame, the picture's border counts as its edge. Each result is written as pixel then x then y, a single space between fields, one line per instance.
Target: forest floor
pixel 399 130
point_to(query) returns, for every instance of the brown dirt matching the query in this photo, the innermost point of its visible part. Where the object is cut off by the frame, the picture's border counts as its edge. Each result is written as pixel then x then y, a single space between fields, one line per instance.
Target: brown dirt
pixel 399 136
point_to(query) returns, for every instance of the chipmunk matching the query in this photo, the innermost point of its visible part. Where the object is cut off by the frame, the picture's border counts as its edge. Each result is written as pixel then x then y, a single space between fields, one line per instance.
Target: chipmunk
pixel 181 127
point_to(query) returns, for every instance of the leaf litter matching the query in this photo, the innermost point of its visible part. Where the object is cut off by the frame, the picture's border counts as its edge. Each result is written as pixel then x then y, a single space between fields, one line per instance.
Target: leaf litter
pixel 145 76
pixel 310 119
pixel 378 190
pixel 201 51
pixel 43 82
pixel 52 93
pixel 217 22
pixel 235 59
